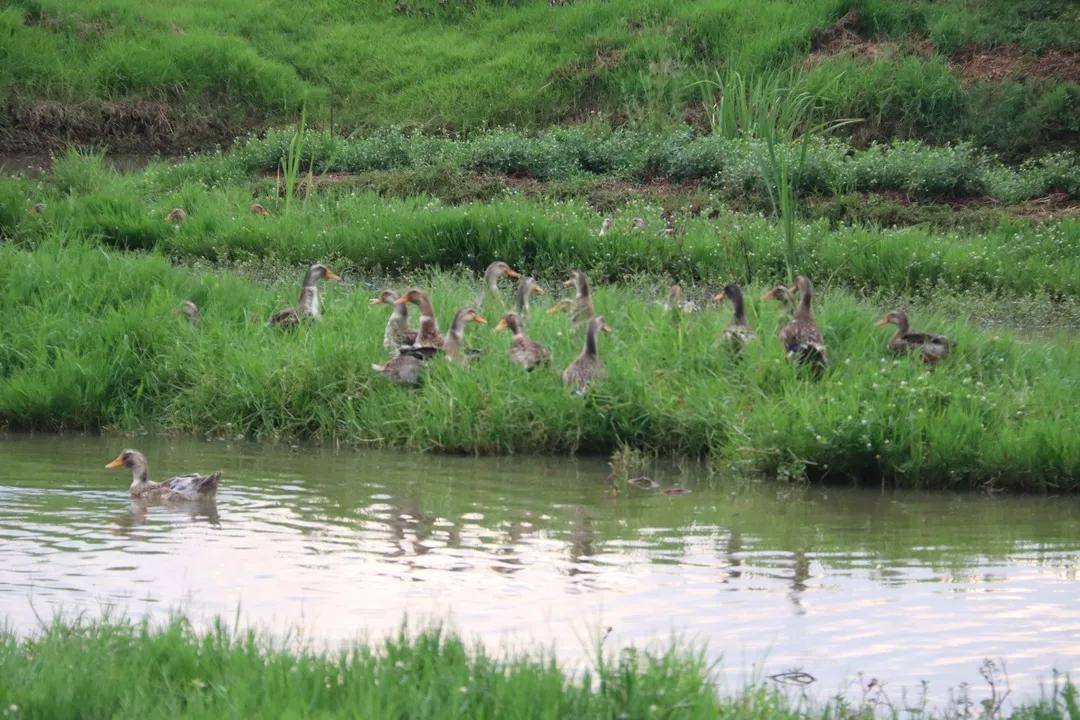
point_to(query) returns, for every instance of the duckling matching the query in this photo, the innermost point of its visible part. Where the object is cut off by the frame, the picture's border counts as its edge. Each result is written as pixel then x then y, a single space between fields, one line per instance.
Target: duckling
pixel 605 226
pixel 428 338
pixel 257 209
pixel 932 347
pixel 738 333
pixel 36 209
pixel 581 307
pixel 181 487
pixel 454 345
pixel 587 367
pixel 802 337
pixel 397 332
pixel 676 301
pixel 527 286
pixel 496 270
pixel 402 369
pixel 527 353
pixel 177 215
pixel 308 306
pixel 189 310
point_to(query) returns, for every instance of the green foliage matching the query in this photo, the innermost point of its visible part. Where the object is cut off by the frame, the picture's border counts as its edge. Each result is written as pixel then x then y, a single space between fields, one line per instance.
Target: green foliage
pixel 90 341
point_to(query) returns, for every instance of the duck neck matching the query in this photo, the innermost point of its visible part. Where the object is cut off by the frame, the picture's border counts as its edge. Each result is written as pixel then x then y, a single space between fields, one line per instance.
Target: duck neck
pixel 140 476
pixel 309 300
pixel 737 306
pixel 803 312
pixel 398 322
pixel 523 292
pixel 590 341
pixel 902 325
pixel 457 327
pixel 582 285
pixel 492 278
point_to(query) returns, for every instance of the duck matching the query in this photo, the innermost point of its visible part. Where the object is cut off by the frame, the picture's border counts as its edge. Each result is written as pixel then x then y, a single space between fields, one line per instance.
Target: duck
pixel 397 332
pixel 738 333
pixel 638 223
pixel 308 307
pixel 783 295
pixel 494 272
pixel 581 307
pixel 676 301
pixel 527 287
pixel 190 310
pixel 801 337
pixel 177 215
pixel 428 339
pixel 36 209
pixel 931 346
pixel 403 369
pixel 606 225
pixel 588 366
pixel 260 210
pixel 525 352
pixel 181 487
pixel 454 344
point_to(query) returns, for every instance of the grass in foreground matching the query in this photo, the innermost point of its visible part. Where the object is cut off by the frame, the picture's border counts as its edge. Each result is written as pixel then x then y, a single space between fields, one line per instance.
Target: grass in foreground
pixel 128 670
pixel 89 342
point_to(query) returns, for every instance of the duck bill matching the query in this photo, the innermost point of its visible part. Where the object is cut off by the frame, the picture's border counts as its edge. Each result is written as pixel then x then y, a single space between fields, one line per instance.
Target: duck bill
pixel 331 275
pixel 512 273
pixel 538 290
pixel 720 296
pixel 402 300
pixel 768 295
pixel 118 462
pixel 882 322
pixel 500 326
pixel 568 283
pixel 479 319
pixel 375 301
pixel 605 328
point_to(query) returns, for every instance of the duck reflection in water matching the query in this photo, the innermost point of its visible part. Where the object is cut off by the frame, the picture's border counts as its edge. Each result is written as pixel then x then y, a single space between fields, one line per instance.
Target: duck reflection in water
pixel 582 539
pixel 199 509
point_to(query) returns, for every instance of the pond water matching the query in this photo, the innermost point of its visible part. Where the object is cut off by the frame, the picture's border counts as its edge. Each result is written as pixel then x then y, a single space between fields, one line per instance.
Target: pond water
pixel 836 582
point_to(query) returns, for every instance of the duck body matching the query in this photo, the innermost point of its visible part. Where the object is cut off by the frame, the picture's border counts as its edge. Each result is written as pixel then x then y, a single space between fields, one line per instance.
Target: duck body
pixel 801 337
pixel 398 332
pixel 524 351
pixel 931 346
pixel 404 369
pixel 181 487
pixel 738 333
pixel 189 310
pixel 428 336
pixel 308 305
pixel 587 367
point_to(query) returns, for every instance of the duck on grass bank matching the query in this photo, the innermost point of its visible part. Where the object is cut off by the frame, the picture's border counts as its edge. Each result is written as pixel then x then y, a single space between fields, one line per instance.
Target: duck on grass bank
pixel 581 307
pixel 428 338
pixel 308 307
pixel 932 347
pixel 454 344
pixel 397 331
pixel 527 353
pixel 527 287
pixel 403 369
pixel 189 310
pixel 181 487
pixel 801 337
pixel 738 333
pixel 588 367
pixel 494 272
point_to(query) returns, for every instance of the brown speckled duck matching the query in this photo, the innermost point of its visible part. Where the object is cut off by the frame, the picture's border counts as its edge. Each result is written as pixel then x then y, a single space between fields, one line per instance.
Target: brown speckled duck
pixel 177 215
pixel 260 210
pixel 189 310
pixel 454 344
pixel 581 307
pixel 525 352
pixel 308 307
pixel 738 333
pixel 397 332
pixel 932 347
pixel 402 369
pixel 181 487
pixel 801 337
pixel 587 367
pixel 428 339
pixel 526 288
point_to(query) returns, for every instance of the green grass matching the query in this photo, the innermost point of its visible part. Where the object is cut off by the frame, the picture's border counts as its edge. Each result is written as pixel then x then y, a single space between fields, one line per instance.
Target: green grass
pixel 89 342
pixel 171 73
pixel 372 234
pixel 132 670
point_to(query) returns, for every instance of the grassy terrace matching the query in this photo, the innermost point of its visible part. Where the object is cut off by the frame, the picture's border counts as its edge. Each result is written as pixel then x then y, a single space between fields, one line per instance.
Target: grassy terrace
pixel 125 670
pixel 157 74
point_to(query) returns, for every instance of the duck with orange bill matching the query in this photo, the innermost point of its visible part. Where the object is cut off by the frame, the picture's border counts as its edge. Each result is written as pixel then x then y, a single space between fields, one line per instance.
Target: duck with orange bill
pixel 308 306
pixel 181 487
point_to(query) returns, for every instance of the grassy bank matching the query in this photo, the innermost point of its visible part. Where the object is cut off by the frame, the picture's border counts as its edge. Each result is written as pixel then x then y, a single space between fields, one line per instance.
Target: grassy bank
pixel 162 75
pixel 89 342
pixel 126 670
pixel 373 234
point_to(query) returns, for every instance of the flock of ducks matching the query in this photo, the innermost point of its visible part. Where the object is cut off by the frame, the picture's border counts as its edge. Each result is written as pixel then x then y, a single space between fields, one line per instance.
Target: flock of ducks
pixel 412 348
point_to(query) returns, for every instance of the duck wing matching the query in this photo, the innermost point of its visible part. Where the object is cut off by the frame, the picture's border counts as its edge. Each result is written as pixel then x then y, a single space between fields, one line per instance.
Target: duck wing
pixel 285 319
pixel 401 370
pixel 193 485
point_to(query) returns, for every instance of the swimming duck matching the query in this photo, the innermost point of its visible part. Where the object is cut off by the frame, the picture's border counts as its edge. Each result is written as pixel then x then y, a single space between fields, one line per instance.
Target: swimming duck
pixel 527 286
pixel 496 270
pixel 189 310
pixel 428 337
pixel 802 337
pixel 454 345
pixel 676 300
pixel 587 367
pixel 309 299
pixel 404 369
pixel 397 332
pixel 738 333
pixel 527 353
pixel 177 215
pixel 181 487
pixel 581 307
pixel 932 347
pixel 260 210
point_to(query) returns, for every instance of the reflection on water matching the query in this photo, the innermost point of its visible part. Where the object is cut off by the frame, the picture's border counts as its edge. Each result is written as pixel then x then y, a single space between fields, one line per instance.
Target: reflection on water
pixel 903 587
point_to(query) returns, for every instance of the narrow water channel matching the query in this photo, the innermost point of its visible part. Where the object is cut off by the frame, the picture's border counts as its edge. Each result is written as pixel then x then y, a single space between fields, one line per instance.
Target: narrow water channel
pixel 835 582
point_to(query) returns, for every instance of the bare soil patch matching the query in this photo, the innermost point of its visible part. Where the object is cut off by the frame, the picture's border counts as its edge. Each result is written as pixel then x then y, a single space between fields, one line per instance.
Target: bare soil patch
pixel 1009 62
